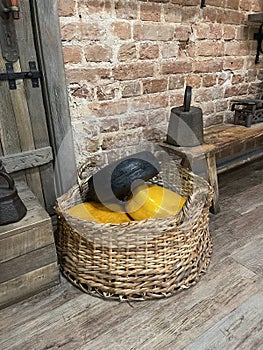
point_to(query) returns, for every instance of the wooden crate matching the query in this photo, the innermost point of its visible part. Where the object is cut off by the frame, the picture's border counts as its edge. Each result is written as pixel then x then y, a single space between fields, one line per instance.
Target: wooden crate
pixel 28 261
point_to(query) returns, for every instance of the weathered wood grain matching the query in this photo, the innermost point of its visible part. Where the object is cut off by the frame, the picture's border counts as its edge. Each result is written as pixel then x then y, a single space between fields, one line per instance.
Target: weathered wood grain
pixel 254 261
pixel 25 263
pixel 55 92
pixel 221 141
pixel 27 159
pixel 66 318
pixel 234 330
pixel 28 284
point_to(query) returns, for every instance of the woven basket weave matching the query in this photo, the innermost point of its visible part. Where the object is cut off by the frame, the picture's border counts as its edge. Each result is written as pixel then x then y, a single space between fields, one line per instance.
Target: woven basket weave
pixel 138 260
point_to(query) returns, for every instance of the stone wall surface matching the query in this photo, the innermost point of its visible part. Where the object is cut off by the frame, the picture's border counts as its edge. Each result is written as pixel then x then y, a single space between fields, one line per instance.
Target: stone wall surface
pixel 128 62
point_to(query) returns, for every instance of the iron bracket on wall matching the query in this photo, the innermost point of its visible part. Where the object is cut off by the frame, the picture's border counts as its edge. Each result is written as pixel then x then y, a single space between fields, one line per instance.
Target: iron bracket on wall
pixel 12 76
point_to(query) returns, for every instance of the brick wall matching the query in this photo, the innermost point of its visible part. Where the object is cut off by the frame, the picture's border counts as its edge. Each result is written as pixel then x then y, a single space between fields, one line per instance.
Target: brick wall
pixel 128 62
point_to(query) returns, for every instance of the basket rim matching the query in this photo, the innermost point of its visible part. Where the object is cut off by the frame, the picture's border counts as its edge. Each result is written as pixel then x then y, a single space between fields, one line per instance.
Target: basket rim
pixel 203 187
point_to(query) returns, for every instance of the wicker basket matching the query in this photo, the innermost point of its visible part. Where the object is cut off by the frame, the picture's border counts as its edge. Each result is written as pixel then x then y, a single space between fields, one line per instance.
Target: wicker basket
pixel 138 260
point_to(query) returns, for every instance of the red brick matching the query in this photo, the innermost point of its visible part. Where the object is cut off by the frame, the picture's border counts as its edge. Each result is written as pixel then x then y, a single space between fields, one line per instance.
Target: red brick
pixel 150 12
pixel 193 80
pixel 154 85
pixel 146 102
pixel 127 52
pixel 87 74
pixel 127 9
pixel 233 63
pixel 148 51
pixel 122 30
pixel 177 2
pixel 233 17
pixel 106 92
pixel 172 13
pixel 130 89
pixel 221 105
pixel 208 66
pixel 72 54
pixel 217 3
pixel 176 82
pixel 229 32
pixel 133 71
pixel 134 121
pixel 66 7
pixel 210 48
pixel 203 95
pixel 209 80
pixel 190 14
pixel 239 79
pixel 176 99
pixel 213 119
pixel 83 92
pixel 98 53
pixel 232 4
pixel 174 67
pixel 209 14
pixel 94 6
pixel 149 31
pixel 257 6
pixel 245 5
pixel 109 124
pixel 236 49
pixel 191 2
pixel 208 31
pixel 112 108
pixel 182 33
pixel 236 90
pixel 118 139
pixel 82 31
pixel 169 50
pixel 208 108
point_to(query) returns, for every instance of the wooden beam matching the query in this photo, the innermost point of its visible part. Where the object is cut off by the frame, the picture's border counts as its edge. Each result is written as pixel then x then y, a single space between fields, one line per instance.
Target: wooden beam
pixel 28 159
pixel 48 43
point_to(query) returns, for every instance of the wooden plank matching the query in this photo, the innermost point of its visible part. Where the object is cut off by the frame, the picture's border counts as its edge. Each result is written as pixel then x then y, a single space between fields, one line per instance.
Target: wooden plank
pixel 34 100
pixel 242 329
pixel 255 17
pixel 21 112
pixel 32 232
pixel 27 159
pixel 212 179
pixel 251 255
pixel 69 319
pixel 28 284
pixel 52 65
pixel 8 128
pixel 148 325
pixel 22 243
pixel 25 263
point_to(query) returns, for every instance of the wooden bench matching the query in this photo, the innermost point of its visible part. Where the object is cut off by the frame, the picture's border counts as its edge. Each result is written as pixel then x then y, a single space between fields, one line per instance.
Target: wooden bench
pixel 225 146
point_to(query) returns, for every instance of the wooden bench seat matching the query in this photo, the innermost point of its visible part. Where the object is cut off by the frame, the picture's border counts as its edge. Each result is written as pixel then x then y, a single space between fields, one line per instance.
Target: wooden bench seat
pixel 225 146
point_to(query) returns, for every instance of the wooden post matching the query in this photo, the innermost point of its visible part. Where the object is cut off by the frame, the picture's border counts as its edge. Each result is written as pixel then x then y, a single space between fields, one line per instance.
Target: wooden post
pixel 212 179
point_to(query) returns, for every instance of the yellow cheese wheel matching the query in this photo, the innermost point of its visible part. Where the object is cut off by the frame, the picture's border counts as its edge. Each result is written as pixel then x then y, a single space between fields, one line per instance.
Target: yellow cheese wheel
pixel 153 201
pixel 92 211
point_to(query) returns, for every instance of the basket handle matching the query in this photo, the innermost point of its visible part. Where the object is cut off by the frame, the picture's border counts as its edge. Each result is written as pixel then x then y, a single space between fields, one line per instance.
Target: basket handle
pixel 80 172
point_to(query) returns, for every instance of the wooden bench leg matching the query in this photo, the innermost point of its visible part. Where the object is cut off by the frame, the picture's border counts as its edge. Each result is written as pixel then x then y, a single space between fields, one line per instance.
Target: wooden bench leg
pixel 212 179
